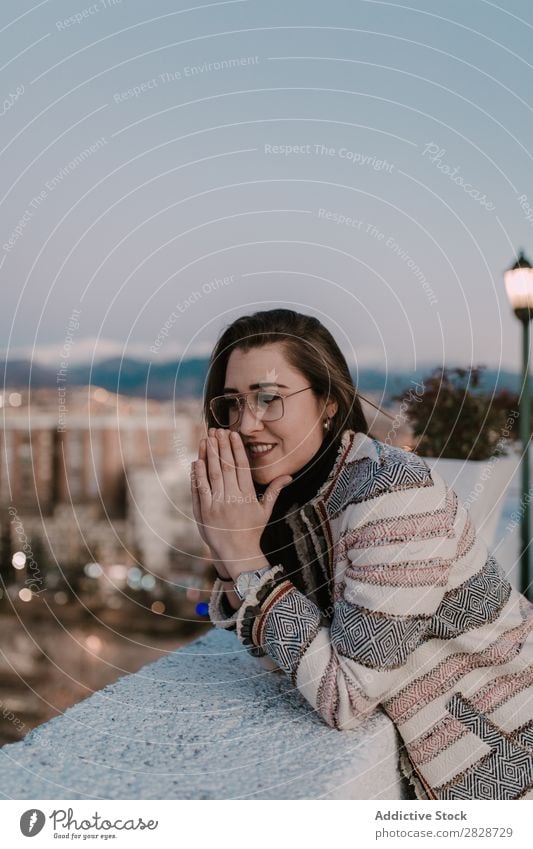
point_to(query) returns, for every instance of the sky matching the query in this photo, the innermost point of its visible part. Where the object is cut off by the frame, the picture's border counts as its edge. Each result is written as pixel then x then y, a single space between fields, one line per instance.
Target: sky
pixel 167 167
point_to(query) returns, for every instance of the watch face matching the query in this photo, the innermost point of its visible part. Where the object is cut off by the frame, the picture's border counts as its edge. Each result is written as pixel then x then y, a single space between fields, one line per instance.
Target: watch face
pixel 246 580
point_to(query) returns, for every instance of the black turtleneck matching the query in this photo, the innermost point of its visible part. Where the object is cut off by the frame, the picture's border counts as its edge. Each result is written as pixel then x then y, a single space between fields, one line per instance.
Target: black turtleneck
pixel 276 541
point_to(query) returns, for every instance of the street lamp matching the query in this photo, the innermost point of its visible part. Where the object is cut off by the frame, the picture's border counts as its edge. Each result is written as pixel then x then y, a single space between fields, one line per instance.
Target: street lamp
pixel 519 286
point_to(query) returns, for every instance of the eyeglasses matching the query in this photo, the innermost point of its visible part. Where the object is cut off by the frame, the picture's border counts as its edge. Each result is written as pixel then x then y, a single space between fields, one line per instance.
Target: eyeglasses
pixel 268 406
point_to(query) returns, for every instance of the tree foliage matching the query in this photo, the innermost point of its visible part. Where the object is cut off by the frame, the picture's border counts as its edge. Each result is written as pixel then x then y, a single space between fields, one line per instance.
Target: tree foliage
pixel 455 417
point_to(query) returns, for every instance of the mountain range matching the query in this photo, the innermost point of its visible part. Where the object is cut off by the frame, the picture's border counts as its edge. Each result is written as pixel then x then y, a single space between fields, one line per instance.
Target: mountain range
pixel 182 378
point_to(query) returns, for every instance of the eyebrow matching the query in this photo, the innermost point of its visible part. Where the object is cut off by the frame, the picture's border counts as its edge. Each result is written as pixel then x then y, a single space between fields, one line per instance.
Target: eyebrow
pixel 257 386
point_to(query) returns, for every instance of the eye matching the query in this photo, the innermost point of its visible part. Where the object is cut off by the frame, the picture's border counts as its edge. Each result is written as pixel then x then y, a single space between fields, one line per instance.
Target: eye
pixel 267 397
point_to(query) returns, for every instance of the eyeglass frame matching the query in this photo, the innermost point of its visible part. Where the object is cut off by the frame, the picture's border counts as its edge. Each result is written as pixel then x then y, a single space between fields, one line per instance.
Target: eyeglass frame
pixel 245 395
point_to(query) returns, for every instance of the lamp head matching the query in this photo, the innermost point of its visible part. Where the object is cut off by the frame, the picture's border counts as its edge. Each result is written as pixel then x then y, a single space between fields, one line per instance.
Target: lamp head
pixel 519 287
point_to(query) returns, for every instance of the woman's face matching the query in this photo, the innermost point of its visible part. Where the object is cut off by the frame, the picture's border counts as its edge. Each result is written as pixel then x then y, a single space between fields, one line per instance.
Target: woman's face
pixel 294 438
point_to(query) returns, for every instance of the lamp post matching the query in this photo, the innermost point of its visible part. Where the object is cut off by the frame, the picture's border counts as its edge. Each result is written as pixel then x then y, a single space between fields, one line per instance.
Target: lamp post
pixel 519 286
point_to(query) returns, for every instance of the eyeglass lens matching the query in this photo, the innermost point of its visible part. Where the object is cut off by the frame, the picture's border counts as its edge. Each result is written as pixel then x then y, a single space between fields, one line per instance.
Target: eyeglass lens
pixel 266 406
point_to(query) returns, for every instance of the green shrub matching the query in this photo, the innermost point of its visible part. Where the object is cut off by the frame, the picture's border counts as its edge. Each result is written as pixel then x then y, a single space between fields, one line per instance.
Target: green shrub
pixel 454 417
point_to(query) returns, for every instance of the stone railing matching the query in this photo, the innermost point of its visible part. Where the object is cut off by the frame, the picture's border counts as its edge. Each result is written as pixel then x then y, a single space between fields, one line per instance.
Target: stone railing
pixel 206 722
pixel 210 722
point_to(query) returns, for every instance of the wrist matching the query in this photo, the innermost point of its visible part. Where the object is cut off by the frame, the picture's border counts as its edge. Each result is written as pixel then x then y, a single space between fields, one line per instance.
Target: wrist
pixel 221 571
pixel 225 580
pixel 250 562
pixel 233 600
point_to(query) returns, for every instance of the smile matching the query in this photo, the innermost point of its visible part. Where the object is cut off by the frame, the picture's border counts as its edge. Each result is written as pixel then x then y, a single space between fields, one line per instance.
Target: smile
pixel 260 448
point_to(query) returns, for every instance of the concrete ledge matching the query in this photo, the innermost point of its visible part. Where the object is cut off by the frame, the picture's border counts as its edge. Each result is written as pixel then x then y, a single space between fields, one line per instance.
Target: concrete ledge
pixel 206 722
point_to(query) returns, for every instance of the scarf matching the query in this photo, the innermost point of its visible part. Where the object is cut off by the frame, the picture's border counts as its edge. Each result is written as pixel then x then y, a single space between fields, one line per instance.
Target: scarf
pixel 276 541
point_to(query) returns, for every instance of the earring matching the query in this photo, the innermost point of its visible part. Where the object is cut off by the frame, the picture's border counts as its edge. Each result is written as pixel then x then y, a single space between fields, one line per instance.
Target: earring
pixel 326 424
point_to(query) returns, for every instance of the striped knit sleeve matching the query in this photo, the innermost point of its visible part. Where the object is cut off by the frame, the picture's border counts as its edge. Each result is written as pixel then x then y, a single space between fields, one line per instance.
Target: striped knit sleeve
pixel 392 565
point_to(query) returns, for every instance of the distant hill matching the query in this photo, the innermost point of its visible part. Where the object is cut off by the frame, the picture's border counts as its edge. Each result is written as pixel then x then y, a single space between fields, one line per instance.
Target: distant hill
pixel 185 378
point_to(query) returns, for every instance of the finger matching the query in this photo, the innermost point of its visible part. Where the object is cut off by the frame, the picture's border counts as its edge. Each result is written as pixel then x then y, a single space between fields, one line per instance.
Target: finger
pixel 244 474
pixel 272 491
pixel 202 452
pixel 195 500
pixel 214 470
pixel 227 461
pixel 203 488
pixel 197 515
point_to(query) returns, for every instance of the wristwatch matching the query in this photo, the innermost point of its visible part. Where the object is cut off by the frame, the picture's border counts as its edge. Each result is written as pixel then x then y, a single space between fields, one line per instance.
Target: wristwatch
pixel 247 581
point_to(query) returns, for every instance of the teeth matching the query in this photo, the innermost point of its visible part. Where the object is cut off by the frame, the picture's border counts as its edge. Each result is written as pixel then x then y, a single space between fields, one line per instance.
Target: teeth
pixel 260 449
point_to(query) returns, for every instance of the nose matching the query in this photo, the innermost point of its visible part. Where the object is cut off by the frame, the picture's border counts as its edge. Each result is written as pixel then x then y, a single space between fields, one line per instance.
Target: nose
pixel 250 422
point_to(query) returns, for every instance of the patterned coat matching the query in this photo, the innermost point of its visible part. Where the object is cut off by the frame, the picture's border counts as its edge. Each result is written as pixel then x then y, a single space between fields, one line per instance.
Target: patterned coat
pixel 422 622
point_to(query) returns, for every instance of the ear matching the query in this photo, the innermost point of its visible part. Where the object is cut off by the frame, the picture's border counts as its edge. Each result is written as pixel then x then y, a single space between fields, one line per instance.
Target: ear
pixel 331 408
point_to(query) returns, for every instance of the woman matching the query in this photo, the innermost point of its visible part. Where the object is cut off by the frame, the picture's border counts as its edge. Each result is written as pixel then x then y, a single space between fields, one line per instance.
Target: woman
pixel 353 567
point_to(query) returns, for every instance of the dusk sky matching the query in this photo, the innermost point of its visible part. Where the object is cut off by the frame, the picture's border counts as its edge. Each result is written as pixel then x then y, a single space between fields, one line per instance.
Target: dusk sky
pixel 165 170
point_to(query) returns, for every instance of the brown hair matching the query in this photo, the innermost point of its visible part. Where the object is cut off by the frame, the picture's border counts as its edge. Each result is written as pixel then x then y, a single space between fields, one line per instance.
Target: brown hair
pixel 308 346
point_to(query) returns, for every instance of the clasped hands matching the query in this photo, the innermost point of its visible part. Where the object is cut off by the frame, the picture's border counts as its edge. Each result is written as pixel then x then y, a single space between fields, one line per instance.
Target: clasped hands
pixel 229 516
